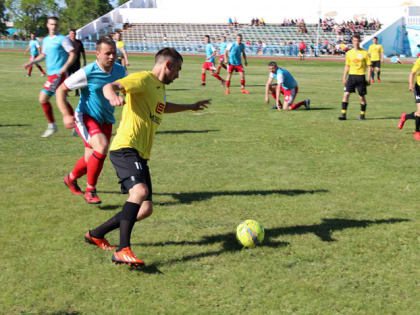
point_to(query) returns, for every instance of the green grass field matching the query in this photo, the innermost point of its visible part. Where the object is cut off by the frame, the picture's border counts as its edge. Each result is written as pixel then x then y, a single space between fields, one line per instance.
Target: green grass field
pixel 339 202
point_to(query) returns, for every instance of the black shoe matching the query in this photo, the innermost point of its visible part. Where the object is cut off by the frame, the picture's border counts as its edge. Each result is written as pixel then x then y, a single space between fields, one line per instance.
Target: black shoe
pixel 342 117
pixel 203 84
pixel 362 117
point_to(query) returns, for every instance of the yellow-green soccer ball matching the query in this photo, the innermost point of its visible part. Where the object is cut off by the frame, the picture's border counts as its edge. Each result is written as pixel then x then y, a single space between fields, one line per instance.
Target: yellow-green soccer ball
pixel 250 233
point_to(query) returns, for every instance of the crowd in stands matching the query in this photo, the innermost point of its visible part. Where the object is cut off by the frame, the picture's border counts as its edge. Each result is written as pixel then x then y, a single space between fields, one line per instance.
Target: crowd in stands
pixel 349 27
pixel 257 22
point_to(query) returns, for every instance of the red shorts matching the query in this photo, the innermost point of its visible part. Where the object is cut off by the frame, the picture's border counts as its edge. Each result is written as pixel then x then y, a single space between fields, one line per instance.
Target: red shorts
pixel 289 95
pixel 52 83
pixel 221 58
pixel 209 66
pixel 87 127
pixel 232 68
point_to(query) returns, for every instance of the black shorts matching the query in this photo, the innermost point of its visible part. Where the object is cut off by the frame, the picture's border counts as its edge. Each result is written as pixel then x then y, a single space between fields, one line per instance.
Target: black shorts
pixel 376 64
pixel 131 169
pixel 417 93
pixel 356 81
pixel 302 51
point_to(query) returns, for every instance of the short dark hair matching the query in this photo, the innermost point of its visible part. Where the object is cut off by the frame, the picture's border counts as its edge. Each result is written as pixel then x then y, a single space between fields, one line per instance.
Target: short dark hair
pixel 208 36
pixel 105 40
pixel 356 36
pixel 272 64
pixel 72 30
pixel 239 35
pixel 375 38
pixel 168 53
pixel 53 18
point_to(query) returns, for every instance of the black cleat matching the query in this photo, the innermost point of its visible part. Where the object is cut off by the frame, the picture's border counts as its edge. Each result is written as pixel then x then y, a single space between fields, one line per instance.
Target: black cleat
pixel 362 117
pixel 342 117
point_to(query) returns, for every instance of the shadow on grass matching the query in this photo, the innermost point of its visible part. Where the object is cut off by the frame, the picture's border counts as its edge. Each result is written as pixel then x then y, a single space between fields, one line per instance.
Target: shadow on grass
pixel 64 313
pixel 15 125
pixel 174 132
pixel 150 269
pixel 190 197
pixel 321 108
pixel 110 207
pixel 323 230
pixel 381 118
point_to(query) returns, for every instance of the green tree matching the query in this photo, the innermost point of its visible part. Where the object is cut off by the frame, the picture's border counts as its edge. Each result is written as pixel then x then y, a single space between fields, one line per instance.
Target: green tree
pixel 31 15
pixel 3 16
pixel 78 13
pixel 121 2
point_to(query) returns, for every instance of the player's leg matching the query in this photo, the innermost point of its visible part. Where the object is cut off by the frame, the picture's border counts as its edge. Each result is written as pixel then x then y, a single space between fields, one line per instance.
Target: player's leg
pixel 218 77
pixel 44 100
pixel 228 77
pixel 294 105
pixel 242 76
pixel 378 73
pixel 344 105
pixel 203 76
pixel 361 88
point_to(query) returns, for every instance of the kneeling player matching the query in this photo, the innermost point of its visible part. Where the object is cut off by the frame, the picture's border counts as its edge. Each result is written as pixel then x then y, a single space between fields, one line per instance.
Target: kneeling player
pixel 94 115
pixel 286 85
pixel 415 87
pixel 357 61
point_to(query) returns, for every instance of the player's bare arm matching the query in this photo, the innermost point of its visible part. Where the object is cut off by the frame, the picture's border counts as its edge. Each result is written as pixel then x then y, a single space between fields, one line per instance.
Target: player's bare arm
pixel 69 62
pixel 62 104
pixel 346 72
pixel 226 56
pixel 369 73
pixel 267 89
pixel 411 81
pixel 37 59
pixel 278 93
pixel 245 60
pixel 110 93
pixel 175 108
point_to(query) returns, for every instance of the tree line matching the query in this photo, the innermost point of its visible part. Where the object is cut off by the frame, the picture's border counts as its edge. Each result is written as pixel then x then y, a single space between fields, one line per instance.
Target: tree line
pixel 30 16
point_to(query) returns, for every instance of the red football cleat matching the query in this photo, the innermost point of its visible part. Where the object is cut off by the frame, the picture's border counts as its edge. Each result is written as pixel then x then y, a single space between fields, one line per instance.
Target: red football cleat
pixel 126 256
pixel 245 91
pixel 372 81
pixel 74 188
pixel 417 135
pixel 102 243
pixel 227 92
pixel 402 121
pixel 91 197
pixel 379 80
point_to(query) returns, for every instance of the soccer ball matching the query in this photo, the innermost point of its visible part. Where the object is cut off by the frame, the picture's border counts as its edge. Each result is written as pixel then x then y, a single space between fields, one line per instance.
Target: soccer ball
pixel 250 233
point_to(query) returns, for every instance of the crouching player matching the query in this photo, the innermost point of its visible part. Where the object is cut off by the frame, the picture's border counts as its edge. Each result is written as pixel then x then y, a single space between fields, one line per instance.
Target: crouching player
pixel 286 85
pixel 94 115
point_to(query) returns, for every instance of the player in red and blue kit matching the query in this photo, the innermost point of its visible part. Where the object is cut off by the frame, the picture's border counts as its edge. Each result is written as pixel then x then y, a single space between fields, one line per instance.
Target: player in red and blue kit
pixel 286 84
pixel 93 117
pixel 58 52
pixel 33 48
pixel 233 53
pixel 222 47
pixel 209 63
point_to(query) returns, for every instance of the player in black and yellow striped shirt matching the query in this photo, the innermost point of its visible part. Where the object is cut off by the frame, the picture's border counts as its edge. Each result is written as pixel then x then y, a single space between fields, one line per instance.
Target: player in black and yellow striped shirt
pixel 357 63
pixel 142 114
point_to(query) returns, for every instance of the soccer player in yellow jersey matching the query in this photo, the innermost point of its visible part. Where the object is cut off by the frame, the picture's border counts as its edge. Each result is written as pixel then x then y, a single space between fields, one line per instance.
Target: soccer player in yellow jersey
pixel 357 62
pixel 376 53
pixel 415 87
pixel 122 56
pixel 141 116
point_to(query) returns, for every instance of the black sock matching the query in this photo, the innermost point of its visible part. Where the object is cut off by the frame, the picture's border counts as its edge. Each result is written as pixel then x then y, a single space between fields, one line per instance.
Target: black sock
pixel 128 219
pixel 108 226
pixel 410 116
pixel 372 75
pixel 344 107
pixel 417 124
pixel 379 75
pixel 363 109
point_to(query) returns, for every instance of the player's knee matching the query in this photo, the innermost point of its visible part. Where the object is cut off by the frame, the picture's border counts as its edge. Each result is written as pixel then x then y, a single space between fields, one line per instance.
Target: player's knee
pixel 43 98
pixel 138 193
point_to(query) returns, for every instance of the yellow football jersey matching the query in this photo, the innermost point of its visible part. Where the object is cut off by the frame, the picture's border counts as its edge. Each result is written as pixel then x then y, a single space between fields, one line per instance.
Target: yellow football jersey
pixel 375 52
pixel 416 68
pixel 142 113
pixel 358 61
pixel 120 44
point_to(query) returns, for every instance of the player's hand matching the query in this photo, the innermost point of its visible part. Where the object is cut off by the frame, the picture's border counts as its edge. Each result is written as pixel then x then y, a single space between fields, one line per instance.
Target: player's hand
pixel 267 100
pixel 117 100
pixel 200 105
pixel 62 72
pixel 68 121
pixel 368 82
pixel 344 82
pixel 411 88
pixel 246 63
pixel 26 65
